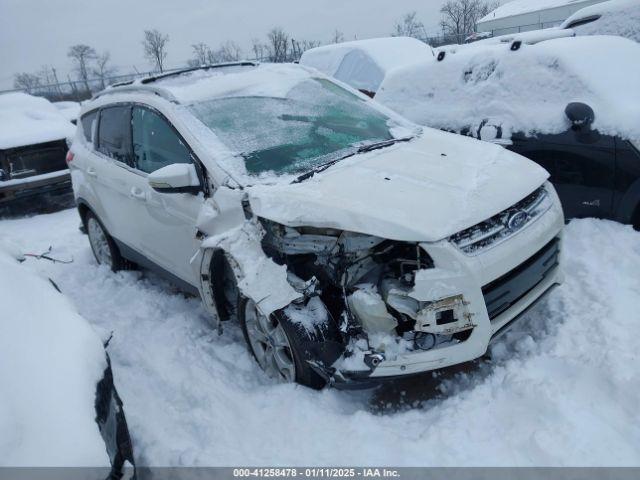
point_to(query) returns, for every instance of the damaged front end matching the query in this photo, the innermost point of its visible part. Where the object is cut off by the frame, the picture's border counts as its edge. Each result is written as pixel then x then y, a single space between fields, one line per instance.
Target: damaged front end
pixel 367 285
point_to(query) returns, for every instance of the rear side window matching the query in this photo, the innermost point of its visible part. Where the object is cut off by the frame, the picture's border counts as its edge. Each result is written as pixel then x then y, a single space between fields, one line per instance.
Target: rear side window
pixel 114 133
pixel 87 125
pixel 155 143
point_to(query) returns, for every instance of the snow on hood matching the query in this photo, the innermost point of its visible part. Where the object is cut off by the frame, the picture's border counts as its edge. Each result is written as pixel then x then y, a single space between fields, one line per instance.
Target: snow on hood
pixel 526 90
pixel 617 17
pixel 50 363
pixel 424 190
pixel 363 64
pixel 27 120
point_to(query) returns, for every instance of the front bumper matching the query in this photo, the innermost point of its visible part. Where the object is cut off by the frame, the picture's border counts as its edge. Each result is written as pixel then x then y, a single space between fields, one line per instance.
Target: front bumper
pixel 498 286
pixel 48 183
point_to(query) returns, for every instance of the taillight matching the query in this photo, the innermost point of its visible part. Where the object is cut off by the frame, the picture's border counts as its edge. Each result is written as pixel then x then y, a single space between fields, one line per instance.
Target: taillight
pixel 69 156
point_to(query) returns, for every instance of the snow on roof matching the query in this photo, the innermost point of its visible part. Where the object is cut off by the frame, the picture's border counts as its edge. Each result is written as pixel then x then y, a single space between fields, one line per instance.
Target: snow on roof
pixel 50 363
pixel 617 17
pixel 273 80
pixel 363 64
pixel 525 90
pixel 26 120
pixel 518 7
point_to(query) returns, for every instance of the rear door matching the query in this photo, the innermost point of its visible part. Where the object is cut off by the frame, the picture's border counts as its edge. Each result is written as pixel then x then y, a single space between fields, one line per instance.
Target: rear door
pixel 582 169
pixel 109 172
pixel 167 232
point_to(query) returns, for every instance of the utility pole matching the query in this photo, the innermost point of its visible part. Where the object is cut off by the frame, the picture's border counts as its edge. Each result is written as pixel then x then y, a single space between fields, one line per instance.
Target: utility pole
pixel 55 79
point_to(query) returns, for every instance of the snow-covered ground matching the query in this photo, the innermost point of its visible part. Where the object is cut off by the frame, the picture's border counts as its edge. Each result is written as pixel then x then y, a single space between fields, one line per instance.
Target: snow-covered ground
pixel 562 389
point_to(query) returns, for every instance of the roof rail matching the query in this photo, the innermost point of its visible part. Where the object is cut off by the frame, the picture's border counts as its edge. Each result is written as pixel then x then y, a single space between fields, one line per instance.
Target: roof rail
pixel 144 84
pixel 201 67
pixel 128 87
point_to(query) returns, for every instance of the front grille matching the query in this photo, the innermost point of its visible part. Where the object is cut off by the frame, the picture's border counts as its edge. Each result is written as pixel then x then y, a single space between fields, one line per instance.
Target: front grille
pixel 36 159
pixel 507 290
pixel 498 228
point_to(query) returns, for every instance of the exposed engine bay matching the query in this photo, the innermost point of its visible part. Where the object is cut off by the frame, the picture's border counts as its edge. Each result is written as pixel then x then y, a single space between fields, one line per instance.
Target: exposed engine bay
pixel 366 283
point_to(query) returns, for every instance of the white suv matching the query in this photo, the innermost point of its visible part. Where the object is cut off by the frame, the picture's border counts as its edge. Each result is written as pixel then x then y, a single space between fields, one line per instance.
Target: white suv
pixel 351 245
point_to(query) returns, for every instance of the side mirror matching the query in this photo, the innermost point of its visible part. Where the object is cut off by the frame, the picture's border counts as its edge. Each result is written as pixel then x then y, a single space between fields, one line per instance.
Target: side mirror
pixel 175 178
pixel 580 115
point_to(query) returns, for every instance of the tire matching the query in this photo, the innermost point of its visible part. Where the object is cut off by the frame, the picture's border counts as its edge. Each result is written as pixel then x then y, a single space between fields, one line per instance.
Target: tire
pixel 296 348
pixel 103 246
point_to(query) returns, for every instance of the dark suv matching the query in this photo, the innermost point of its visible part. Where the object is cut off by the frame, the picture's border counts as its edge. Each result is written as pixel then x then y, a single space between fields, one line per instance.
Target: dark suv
pixel 568 104
pixel 595 175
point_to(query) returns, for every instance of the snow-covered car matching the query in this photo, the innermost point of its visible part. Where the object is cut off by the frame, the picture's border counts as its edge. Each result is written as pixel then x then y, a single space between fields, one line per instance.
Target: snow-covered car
pixel 363 64
pixel 570 104
pixel 69 110
pixel 33 146
pixel 352 246
pixel 477 36
pixel 613 17
pixel 59 406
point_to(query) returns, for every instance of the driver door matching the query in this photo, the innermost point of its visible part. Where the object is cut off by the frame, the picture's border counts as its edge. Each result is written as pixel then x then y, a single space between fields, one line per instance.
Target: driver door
pixel 168 233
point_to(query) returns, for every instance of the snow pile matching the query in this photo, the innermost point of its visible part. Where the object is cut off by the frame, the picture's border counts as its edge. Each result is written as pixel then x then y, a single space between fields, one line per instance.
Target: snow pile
pixel 50 363
pixel 562 389
pixel 363 64
pixel 617 17
pixel 525 90
pixel 519 7
pixel 26 120
pixel 70 110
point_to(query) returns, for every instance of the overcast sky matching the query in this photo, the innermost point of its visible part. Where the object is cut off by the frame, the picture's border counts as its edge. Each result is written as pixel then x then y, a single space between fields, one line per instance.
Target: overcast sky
pixel 34 33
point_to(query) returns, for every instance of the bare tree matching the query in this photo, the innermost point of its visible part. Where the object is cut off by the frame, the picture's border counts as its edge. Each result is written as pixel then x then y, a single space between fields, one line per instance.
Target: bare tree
pixel 82 55
pixel 459 17
pixel 49 84
pixel 155 47
pixel 278 45
pixel 103 70
pixel 259 49
pixel 299 47
pixel 409 26
pixel 26 81
pixel 337 36
pixel 201 54
pixel 229 51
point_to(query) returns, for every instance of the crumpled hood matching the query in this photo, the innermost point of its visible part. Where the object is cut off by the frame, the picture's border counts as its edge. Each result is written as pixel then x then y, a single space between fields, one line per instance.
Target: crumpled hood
pixel 423 190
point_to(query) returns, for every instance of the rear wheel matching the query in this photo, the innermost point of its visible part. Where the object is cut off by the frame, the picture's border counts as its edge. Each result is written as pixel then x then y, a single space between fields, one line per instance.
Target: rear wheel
pixel 103 246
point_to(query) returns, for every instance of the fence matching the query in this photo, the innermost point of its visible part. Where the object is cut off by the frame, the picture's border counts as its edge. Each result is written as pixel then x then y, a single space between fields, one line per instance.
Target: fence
pixel 79 90
pixel 524 28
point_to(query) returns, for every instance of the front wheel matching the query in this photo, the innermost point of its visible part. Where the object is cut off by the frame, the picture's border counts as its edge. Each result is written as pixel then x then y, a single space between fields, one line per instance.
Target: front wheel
pixel 278 345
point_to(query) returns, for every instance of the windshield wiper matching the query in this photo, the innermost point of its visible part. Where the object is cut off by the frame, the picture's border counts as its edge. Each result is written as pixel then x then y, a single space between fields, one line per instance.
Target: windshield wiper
pixel 362 149
pixel 378 145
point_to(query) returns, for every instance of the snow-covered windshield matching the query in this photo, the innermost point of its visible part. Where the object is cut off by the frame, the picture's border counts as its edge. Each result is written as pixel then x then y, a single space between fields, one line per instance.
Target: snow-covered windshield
pixel 316 122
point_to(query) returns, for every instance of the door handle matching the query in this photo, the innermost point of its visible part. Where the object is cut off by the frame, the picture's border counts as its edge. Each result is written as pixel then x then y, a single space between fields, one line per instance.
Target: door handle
pixel 138 194
pixel 92 172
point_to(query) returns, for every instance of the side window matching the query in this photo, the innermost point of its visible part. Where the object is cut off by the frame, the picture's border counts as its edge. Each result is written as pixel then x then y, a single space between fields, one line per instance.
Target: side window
pixel 155 143
pixel 114 133
pixel 87 125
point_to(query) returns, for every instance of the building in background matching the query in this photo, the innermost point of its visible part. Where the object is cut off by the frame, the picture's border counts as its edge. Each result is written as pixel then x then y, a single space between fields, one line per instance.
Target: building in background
pixel 525 15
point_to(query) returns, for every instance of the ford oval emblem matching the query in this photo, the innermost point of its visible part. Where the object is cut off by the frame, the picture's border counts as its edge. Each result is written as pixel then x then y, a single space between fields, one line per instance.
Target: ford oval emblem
pixel 517 220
